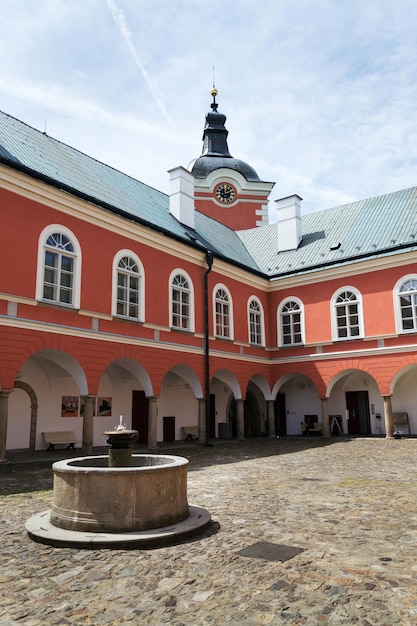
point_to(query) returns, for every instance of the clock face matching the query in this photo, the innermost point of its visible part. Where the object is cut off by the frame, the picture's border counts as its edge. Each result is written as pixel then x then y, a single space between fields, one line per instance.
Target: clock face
pixel 225 193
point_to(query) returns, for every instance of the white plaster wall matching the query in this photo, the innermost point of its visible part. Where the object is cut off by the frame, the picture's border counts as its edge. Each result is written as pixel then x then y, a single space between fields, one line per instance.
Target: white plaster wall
pixel 179 401
pixel 223 395
pixel 18 426
pixel 300 399
pixel 49 385
pixel 119 386
pixel 404 398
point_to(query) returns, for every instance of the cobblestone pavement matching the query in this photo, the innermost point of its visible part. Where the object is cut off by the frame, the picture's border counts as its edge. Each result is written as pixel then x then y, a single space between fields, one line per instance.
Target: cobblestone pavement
pixel 349 507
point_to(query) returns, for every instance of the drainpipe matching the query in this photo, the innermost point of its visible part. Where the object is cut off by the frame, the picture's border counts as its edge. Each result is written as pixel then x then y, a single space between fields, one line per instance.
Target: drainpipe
pixel 209 260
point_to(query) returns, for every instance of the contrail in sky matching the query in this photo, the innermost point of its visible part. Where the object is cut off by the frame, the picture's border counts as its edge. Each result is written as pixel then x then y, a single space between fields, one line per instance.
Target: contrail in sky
pixel 120 20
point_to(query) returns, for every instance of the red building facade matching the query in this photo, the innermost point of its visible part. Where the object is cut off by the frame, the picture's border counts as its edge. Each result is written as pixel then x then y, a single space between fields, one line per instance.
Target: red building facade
pixel 194 311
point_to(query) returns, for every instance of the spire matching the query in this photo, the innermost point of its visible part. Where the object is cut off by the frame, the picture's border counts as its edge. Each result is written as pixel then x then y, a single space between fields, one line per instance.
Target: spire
pixel 215 153
pixel 215 133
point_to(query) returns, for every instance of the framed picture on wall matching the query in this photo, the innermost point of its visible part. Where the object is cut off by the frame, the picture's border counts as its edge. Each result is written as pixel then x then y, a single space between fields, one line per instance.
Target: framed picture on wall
pixel 70 406
pixel 104 406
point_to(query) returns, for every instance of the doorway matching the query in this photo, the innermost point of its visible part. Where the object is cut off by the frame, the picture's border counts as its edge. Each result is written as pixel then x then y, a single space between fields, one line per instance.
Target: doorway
pixel 140 411
pixel 168 423
pixel 357 404
pixel 280 415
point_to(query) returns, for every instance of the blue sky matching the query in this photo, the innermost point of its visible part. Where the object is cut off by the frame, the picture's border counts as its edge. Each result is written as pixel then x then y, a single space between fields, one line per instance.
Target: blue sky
pixel 320 95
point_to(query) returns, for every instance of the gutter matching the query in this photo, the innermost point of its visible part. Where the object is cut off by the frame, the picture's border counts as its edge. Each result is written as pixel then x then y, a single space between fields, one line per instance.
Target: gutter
pixel 209 259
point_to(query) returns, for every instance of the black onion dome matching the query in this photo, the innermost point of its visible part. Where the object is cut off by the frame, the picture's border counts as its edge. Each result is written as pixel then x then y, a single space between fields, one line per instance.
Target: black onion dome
pixel 215 152
pixel 206 164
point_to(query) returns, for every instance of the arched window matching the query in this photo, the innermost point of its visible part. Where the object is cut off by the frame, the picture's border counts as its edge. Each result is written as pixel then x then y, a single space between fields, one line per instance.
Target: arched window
pixel 406 291
pixel 256 326
pixel 182 313
pixel 58 267
pixel 128 286
pixel 347 314
pixel 223 313
pixel 291 328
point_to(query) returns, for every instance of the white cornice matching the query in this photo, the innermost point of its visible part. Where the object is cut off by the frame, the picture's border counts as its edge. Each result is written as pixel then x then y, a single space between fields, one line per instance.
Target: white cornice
pixel 81 333
pixel 345 354
pixel 228 175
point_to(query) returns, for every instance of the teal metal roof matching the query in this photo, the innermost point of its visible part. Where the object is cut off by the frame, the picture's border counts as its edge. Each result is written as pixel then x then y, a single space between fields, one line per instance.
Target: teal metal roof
pixel 368 228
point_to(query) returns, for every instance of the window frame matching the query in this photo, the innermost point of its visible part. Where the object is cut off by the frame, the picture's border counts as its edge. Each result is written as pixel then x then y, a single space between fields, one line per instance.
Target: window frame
pixel 334 317
pixel 217 288
pixel 260 313
pixel 76 270
pixel 280 325
pixel 141 287
pixel 398 309
pixel 190 291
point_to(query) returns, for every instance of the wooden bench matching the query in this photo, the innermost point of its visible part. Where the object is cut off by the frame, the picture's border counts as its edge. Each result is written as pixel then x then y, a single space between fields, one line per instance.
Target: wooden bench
pixel 311 428
pixel 190 432
pixel 62 437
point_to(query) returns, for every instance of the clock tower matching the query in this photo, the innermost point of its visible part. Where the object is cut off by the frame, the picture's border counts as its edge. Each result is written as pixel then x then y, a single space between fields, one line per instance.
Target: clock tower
pixel 227 189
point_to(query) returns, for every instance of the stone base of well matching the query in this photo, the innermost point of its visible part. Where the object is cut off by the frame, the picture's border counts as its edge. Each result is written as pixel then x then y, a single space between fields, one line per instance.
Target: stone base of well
pixel 95 505
pixel 40 529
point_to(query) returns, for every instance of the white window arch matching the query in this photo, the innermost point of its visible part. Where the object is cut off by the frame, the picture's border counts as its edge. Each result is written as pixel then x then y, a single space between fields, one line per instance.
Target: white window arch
pixel 222 312
pixel 128 286
pixel 347 314
pixel 405 304
pixel 291 327
pixel 181 300
pixel 256 326
pixel 59 267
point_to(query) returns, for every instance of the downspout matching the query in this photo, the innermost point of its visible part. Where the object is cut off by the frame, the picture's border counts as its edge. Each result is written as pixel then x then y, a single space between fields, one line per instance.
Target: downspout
pixel 209 260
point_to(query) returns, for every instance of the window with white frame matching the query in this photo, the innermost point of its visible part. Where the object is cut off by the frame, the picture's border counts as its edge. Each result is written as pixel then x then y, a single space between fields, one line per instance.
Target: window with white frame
pixel 128 287
pixel 256 333
pixel 291 326
pixel 222 308
pixel 407 304
pixel 59 266
pixel 181 301
pixel 347 314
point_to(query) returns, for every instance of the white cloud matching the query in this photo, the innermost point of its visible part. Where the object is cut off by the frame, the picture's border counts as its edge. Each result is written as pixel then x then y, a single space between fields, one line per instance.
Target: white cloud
pixel 319 96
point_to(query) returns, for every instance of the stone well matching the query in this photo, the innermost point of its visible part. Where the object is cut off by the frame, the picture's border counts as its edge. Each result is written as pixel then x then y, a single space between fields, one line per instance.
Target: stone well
pixel 89 495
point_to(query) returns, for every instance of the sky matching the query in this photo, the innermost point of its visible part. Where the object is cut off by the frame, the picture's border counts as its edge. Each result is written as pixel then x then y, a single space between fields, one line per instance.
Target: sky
pixel 320 95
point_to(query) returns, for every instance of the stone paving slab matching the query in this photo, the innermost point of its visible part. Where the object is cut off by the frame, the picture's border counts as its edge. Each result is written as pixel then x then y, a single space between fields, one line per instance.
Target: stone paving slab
pixel 347 507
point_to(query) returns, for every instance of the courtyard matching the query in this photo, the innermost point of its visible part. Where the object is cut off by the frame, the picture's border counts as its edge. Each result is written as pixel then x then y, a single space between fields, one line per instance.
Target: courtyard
pixel 304 531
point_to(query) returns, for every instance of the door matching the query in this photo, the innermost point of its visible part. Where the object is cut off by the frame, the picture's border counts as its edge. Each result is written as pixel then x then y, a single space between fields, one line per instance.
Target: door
pixel 168 428
pixel 140 410
pixel 357 404
pixel 280 415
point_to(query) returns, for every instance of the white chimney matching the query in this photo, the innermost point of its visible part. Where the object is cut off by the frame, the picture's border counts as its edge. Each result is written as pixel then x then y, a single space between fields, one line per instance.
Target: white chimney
pixel 181 197
pixel 289 222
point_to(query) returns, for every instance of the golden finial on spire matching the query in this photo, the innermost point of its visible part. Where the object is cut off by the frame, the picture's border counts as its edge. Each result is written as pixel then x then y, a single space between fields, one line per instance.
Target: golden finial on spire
pixel 213 91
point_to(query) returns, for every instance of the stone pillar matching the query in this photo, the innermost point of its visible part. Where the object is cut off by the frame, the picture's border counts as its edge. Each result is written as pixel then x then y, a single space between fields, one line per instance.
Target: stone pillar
pixel 153 423
pixel 88 424
pixel 4 412
pixel 271 419
pixel 325 417
pixel 389 420
pixel 240 410
pixel 201 420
